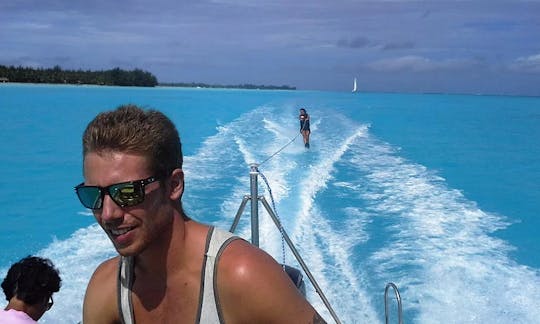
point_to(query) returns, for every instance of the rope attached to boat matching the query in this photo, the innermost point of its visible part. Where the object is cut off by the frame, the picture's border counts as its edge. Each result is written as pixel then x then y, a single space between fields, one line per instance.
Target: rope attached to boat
pixel 284 146
pixel 275 212
pixel 270 189
pixel 281 149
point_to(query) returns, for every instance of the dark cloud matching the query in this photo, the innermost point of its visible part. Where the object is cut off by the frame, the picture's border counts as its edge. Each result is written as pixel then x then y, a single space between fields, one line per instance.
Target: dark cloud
pixel 356 42
pixel 398 46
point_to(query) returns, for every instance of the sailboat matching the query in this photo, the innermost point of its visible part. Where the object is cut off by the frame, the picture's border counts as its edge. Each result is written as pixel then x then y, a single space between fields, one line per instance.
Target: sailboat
pixel 355 89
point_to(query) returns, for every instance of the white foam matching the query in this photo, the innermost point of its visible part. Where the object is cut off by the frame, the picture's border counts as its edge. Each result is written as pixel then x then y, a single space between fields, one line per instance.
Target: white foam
pixel 337 275
pixel 76 258
pixel 455 271
pixel 294 187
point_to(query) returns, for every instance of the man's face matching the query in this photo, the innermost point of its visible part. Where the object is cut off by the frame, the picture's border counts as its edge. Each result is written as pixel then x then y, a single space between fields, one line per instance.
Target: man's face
pixel 131 229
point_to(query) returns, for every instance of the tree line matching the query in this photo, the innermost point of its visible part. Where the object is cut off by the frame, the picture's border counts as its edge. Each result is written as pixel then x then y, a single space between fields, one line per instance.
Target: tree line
pixel 239 86
pixel 114 77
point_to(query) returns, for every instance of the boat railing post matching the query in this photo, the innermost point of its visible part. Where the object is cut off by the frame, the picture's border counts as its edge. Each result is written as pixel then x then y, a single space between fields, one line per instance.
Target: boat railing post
pixel 239 213
pixel 253 173
pixel 398 298
pixel 299 259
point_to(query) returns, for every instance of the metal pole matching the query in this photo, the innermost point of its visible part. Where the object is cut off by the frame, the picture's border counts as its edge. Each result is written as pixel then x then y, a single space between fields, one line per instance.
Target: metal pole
pixel 239 213
pixel 299 258
pixel 398 298
pixel 254 204
pixel 254 172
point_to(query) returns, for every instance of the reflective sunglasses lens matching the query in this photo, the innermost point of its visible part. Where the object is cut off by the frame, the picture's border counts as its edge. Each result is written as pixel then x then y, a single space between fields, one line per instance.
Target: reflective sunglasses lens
pixel 127 194
pixel 90 197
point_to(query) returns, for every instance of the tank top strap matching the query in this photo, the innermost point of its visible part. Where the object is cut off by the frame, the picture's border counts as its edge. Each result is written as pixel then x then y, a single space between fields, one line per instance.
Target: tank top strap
pixel 209 305
pixel 125 283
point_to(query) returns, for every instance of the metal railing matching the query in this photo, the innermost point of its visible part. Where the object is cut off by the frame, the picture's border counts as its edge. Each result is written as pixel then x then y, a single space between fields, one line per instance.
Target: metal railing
pixel 398 298
pixel 255 198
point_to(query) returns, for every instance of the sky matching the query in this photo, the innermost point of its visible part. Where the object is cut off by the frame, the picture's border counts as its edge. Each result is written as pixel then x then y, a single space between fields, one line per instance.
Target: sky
pixel 477 47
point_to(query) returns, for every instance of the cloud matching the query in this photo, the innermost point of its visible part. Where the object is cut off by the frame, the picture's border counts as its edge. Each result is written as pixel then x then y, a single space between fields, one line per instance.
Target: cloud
pixel 497 25
pixel 530 64
pixel 363 42
pixel 419 64
pixel 357 42
pixel 398 46
pixel 250 40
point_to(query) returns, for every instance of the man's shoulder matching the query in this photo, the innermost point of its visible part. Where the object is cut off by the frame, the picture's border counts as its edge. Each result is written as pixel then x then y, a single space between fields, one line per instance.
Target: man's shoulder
pixel 242 261
pixel 248 273
pixel 100 301
pixel 104 277
pixel 107 267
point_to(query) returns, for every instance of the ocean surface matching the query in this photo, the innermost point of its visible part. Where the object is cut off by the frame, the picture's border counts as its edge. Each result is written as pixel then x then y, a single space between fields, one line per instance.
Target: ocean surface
pixel 436 193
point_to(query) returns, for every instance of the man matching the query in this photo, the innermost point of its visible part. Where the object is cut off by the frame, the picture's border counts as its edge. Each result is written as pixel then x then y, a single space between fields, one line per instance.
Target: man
pixel 171 269
pixel 29 286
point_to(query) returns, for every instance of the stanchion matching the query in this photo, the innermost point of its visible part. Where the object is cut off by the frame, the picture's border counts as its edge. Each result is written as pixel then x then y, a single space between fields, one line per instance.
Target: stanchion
pixel 254 198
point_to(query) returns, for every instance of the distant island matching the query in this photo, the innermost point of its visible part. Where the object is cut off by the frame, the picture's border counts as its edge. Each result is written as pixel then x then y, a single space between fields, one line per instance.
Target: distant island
pixel 114 77
pixel 56 75
pixel 239 86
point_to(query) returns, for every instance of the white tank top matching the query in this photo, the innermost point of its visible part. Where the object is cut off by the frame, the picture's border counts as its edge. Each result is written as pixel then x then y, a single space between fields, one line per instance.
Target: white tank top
pixel 209 311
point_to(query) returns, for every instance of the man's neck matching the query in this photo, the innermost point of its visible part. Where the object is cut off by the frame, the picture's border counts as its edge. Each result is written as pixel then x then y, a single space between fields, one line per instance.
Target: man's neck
pixel 171 252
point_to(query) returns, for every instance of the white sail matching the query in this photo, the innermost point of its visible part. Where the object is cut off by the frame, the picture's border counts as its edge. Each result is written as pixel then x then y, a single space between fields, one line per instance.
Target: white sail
pixel 354 86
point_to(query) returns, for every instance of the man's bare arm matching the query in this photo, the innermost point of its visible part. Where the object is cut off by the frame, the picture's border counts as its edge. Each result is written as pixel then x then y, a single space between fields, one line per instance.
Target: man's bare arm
pixel 100 302
pixel 317 319
pixel 267 294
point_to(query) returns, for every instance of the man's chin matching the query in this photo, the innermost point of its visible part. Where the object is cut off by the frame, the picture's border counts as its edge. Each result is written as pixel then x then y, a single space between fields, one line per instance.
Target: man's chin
pixel 127 251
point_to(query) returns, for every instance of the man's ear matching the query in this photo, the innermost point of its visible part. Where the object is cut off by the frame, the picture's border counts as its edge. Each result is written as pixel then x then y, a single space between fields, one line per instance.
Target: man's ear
pixel 177 184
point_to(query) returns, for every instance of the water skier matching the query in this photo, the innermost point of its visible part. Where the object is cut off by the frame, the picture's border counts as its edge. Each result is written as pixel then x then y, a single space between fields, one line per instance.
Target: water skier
pixel 304 126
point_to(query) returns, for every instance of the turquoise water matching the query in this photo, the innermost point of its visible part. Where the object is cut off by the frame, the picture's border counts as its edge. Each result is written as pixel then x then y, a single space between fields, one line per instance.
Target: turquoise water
pixel 437 193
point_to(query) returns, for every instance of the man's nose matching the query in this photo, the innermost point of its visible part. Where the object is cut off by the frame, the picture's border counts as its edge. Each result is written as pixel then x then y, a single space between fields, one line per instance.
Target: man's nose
pixel 110 211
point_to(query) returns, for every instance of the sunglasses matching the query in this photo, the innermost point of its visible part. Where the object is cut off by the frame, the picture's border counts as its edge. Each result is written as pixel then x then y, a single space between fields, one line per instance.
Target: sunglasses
pixel 50 303
pixel 124 194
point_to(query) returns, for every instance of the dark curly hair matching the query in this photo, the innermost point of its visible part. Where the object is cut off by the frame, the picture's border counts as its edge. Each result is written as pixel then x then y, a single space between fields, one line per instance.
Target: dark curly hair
pixel 32 279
